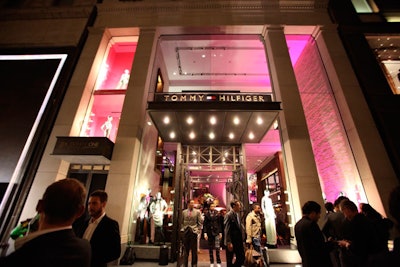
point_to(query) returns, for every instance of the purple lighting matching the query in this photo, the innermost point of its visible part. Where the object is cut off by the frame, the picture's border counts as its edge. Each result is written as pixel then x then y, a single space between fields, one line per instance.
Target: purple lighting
pixel 335 163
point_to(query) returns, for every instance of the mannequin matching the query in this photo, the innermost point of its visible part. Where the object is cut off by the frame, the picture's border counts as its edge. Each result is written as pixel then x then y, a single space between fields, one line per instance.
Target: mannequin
pixel 158 208
pixel 143 218
pixel 123 81
pixel 107 126
pixel 269 215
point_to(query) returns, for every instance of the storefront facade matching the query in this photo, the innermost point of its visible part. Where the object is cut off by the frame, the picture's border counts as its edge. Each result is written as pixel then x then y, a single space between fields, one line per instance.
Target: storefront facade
pixel 281 62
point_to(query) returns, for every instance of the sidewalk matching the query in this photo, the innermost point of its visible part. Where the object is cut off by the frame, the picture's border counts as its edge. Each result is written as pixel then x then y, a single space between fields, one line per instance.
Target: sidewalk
pixel 200 264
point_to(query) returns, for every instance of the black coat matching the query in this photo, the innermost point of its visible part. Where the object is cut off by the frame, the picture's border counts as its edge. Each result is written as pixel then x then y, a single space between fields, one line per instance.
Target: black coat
pixel 212 225
pixel 311 244
pixel 59 248
pixel 105 241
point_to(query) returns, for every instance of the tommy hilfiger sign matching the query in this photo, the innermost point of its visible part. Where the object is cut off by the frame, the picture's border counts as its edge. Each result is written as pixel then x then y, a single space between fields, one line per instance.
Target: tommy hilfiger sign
pixel 204 97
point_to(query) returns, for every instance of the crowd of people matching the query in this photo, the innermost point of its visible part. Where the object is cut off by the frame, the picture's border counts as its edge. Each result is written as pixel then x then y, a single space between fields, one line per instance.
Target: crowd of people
pixel 351 236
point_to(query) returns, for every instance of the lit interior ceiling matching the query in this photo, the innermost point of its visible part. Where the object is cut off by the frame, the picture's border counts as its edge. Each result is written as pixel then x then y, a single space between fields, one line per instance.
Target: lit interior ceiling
pixel 213 123
pixel 221 63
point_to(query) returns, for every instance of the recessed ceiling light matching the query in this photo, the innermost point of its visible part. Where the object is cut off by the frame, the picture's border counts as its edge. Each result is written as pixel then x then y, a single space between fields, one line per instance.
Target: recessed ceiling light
pixel 211 135
pixel 166 120
pixel 231 136
pixel 236 120
pixel 251 135
pixel 213 120
pixel 203 56
pixel 189 120
pixel 172 135
pixel 259 121
pixel 148 122
pixel 192 135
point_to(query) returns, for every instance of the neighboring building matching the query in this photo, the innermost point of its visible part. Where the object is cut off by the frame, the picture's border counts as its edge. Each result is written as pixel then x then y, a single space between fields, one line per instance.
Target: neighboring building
pixel 198 99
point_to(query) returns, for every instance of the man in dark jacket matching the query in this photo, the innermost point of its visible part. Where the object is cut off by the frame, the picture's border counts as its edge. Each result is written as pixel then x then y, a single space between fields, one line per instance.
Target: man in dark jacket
pixel 213 234
pixel 311 244
pixel 101 231
pixel 234 235
pixel 54 243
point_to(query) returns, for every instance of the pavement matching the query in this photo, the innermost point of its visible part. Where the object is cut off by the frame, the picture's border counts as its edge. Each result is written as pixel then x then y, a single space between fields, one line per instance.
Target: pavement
pixel 200 264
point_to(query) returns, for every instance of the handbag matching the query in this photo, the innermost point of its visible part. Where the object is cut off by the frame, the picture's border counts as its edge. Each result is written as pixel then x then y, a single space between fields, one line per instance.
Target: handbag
pixel 252 258
pixel 129 256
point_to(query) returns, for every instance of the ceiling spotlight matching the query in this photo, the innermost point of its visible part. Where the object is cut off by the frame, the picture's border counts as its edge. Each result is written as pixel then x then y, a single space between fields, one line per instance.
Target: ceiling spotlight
pixel 213 120
pixel 149 123
pixel 189 120
pixel 192 135
pixel 166 120
pixel 259 121
pixel 236 120
pixel 172 135
pixel 211 135
pixel 251 135
pixel 231 136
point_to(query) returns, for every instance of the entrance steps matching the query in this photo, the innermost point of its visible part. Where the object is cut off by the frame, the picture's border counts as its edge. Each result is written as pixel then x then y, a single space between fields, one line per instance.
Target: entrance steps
pixel 286 254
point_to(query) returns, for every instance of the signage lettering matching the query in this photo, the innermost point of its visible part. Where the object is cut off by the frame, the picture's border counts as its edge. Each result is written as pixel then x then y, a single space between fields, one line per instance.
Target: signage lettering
pixel 202 97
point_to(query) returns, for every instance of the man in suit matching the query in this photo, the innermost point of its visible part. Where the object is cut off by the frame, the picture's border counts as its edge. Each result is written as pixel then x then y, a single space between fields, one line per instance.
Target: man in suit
pixel 54 244
pixel 190 227
pixel 313 249
pixel 234 235
pixel 101 231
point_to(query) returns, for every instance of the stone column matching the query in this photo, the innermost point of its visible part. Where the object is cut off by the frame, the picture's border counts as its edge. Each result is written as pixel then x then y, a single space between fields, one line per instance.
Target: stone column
pixel 301 171
pixel 69 119
pixel 124 169
pixel 373 163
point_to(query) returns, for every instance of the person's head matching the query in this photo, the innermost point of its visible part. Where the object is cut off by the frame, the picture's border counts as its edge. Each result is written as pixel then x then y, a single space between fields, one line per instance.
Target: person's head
pixel 336 204
pixel 394 204
pixel 369 211
pixel 329 206
pixel 256 208
pixel 191 204
pixel 349 209
pixel 235 205
pixel 312 210
pixel 62 203
pixel 158 196
pixel 212 207
pixel 97 203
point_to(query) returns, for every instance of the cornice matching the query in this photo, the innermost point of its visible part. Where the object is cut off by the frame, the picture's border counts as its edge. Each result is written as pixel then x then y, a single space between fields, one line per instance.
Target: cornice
pixel 46 13
pixel 180 6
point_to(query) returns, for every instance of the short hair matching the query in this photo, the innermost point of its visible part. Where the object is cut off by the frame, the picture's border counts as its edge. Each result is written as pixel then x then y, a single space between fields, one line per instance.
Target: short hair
pixel 348 204
pixel 233 202
pixel 101 194
pixel 394 203
pixel 329 206
pixel 63 199
pixel 311 206
pixel 253 206
pixel 339 199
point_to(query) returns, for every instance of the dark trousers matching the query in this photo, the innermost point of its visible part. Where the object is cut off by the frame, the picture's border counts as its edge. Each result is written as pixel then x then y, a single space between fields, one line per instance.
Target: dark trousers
pixel 238 251
pixel 213 243
pixel 190 243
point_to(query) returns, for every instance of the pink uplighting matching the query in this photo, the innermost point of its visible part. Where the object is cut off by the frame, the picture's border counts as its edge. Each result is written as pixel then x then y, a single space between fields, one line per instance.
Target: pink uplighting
pixel 335 163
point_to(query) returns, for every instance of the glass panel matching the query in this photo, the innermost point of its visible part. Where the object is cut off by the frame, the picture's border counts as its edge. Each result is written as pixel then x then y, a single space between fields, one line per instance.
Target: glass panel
pixel 104 111
pixel 387 52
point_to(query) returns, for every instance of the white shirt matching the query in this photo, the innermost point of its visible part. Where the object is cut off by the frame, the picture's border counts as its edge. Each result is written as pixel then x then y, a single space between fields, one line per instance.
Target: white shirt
pixel 91 227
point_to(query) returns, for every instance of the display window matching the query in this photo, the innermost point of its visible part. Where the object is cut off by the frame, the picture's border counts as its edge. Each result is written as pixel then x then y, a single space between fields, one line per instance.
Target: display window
pixel 387 52
pixel 105 106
